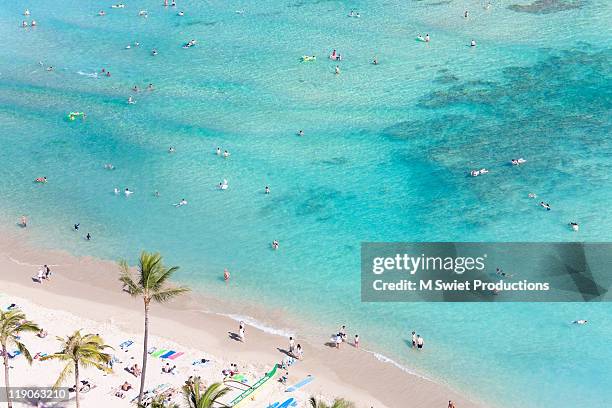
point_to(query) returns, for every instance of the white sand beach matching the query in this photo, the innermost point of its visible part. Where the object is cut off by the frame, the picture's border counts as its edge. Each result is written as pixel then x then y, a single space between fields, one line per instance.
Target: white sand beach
pixel 84 293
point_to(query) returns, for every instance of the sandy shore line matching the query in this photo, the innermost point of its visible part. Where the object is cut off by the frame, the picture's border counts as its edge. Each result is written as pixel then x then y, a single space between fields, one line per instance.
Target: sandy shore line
pixel 86 291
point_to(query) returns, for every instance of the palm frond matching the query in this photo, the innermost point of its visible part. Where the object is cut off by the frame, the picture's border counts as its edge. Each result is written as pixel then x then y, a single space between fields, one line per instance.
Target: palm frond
pixel 64 375
pixel 24 351
pixel 342 403
pixel 165 295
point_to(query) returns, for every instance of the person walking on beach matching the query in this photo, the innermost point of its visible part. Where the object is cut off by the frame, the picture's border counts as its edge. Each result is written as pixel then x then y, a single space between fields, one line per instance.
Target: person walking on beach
pixel 451 404
pixel 414 339
pixel 241 332
pixel 419 342
pixel 299 352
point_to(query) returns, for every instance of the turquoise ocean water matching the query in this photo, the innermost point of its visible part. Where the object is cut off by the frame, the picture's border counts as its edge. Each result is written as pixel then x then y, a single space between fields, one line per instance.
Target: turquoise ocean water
pixel 385 157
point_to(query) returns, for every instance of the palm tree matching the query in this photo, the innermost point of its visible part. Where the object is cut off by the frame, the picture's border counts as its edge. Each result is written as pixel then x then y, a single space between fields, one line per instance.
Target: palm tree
pixel 150 283
pixel 159 402
pixel 80 351
pixel 198 396
pixel 12 324
pixel 338 403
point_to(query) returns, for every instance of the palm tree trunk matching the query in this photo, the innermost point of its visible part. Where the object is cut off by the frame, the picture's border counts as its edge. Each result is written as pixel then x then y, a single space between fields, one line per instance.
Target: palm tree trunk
pixel 6 376
pixel 77 387
pixel 144 351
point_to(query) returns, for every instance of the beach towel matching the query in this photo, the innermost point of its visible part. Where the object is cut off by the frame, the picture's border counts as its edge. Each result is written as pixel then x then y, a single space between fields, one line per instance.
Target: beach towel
pixel 175 356
pixel 14 354
pixel 126 344
pixel 168 354
pixel 158 353
pixel 240 378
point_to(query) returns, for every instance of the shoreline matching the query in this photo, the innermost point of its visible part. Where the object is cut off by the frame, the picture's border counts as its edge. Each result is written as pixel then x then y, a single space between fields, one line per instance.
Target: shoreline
pixel 86 287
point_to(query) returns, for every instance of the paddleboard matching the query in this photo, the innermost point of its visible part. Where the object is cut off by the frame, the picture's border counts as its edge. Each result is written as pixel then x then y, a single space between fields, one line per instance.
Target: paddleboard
pixel 291 402
pixel 299 385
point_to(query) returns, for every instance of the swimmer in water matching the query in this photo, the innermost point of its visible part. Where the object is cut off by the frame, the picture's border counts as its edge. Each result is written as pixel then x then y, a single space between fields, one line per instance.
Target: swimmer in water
pixel 300 132
pixel 109 166
pixel 181 14
pixel 41 180
pixel 116 190
pixel 154 52
pixel 466 14
pixel 426 37
pixel 101 13
pixel 26 12
pixel 375 61
pixel 76 227
pixel 127 192
pixel 337 70
pixel 472 43
pixel 275 245
pixel 267 190
pixel 581 321
pixel 574 226
pixel 49 69
pixel 545 205
pixel 181 203
pixel 503 274
pixel 131 101
pixel 226 275
pixel 218 152
pixel 88 236
pixel 150 87
pixel 226 154
pixel 532 195
pixel 156 193
pixel 24 221
pixel 171 149
pixel 33 23
pixel 135 88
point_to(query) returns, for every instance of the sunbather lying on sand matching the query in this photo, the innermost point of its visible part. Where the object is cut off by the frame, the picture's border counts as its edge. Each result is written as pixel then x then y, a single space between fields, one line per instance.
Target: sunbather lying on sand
pixel 134 370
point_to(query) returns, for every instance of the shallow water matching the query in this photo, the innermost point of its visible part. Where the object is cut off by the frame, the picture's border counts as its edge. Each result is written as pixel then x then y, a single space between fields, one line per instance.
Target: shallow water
pixel 385 157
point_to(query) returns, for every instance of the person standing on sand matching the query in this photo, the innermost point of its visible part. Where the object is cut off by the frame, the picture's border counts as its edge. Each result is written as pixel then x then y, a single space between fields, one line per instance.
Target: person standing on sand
pixel 241 331
pixel 299 352
pixel 291 345
pixel 356 341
